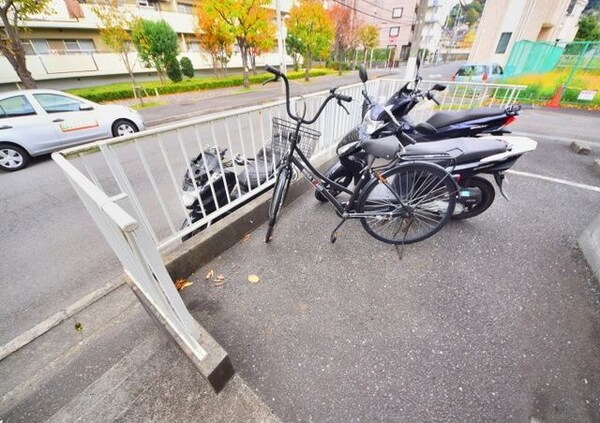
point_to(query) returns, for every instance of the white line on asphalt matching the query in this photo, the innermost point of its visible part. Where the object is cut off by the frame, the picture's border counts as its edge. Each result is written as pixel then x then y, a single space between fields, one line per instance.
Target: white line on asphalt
pixel 556 180
pixel 564 140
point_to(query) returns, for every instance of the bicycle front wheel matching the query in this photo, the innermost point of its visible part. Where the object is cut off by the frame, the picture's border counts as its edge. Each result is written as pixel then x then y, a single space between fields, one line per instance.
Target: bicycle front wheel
pixel 284 177
pixel 408 203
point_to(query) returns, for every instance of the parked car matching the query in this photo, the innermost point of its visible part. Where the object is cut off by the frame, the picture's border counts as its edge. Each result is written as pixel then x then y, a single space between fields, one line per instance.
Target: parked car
pixel 35 122
pixel 478 72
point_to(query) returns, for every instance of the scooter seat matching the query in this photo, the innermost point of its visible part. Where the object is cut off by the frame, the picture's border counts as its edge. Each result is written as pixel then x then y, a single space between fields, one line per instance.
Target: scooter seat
pixel 445 118
pixel 382 148
pixel 462 150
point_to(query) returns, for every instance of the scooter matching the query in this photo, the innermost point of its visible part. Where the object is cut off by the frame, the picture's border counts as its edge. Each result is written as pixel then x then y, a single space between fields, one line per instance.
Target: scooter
pixel 465 158
pixel 213 183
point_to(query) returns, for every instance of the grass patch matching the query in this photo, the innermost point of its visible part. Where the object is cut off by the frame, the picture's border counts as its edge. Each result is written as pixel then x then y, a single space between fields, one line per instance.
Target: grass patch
pixel 146 105
pixel 244 90
pixel 123 90
pixel 541 87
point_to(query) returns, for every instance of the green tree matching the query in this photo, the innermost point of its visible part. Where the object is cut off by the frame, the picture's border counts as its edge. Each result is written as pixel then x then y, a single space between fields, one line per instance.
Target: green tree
pixel 187 68
pixel 310 24
pixel 294 49
pixel 245 20
pixel 589 29
pixel 115 34
pixel 12 15
pixel 157 44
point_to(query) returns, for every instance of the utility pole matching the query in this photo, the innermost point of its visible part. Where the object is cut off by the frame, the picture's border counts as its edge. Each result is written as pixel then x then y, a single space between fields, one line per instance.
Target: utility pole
pixel 416 40
pixel 280 47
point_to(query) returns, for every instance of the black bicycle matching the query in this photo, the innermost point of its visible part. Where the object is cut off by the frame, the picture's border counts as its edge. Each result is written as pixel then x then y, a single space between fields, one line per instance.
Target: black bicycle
pixel 397 202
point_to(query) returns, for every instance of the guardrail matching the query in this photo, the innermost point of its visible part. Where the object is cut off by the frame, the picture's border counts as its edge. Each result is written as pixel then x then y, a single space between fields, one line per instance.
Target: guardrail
pixel 132 188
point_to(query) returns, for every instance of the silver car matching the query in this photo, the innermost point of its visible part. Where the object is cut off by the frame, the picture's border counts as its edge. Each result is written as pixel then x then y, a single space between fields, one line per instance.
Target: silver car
pixel 35 122
pixel 479 72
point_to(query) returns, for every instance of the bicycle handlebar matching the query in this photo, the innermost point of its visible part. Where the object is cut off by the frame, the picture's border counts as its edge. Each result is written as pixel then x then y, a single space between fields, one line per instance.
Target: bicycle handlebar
pixel 332 95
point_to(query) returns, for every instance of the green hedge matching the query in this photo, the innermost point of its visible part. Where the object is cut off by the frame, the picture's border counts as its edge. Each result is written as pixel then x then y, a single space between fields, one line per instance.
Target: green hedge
pixel 122 91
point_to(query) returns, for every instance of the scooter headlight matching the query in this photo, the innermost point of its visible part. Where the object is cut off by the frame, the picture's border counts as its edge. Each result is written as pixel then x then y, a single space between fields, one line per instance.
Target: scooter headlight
pixel 371 122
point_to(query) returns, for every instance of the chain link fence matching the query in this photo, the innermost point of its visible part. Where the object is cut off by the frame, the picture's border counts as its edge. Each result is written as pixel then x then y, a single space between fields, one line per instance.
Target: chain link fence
pixel 556 73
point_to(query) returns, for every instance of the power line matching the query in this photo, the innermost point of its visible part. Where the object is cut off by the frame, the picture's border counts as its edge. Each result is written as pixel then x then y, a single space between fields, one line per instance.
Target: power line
pixel 373 16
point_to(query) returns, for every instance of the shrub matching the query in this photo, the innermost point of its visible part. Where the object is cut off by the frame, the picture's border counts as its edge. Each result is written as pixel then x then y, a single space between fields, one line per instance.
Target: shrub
pixel 122 91
pixel 186 67
pixel 174 70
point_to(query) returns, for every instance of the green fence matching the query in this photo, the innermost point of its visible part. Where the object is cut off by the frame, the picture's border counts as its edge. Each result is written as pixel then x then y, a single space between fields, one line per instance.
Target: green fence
pixel 556 71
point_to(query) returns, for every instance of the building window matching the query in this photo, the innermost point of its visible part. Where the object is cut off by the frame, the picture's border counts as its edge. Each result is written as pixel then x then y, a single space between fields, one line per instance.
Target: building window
pixel 503 43
pixel 79 46
pixel 28 47
pixel 397 12
pixel 194 46
pixel 185 8
pixel 394 31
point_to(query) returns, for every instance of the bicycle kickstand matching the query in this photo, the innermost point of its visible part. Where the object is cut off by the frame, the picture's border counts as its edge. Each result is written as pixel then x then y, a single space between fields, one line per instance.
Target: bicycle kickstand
pixel 333 236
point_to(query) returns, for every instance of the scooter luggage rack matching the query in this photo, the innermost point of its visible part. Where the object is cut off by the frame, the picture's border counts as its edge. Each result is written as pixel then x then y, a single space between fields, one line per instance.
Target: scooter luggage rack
pixel 442 159
pixel 283 131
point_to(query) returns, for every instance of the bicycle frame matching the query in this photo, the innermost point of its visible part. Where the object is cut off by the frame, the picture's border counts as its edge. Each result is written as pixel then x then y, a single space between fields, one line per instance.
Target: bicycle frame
pixel 318 181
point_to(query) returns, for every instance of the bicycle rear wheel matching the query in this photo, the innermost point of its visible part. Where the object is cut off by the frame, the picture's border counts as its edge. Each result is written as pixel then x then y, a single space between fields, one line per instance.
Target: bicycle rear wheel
pixel 284 177
pixel 409 203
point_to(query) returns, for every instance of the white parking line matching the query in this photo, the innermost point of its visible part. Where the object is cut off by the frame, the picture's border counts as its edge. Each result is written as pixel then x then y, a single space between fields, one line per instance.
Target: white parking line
pixel 556 180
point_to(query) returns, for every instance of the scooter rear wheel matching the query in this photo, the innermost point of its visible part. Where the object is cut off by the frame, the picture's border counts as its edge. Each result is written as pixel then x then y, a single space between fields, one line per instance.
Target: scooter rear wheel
pixel 488 193
pixel 341 177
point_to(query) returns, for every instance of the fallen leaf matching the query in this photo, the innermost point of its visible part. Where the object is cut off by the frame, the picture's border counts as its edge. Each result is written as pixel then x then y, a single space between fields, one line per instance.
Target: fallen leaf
pixel 219 278
pixel 181 284
pixel 219 283
pixel 78 327
pixel 253 278
pixel 246 238
pixel 210 274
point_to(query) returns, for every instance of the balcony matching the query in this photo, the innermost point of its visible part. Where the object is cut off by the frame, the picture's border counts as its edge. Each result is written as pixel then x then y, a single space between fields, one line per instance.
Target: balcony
pixel 59 18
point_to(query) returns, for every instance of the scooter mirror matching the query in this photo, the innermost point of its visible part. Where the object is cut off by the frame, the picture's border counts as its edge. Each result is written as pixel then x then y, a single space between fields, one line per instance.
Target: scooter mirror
pixel 362 73
pixel 426 128
pixel 438 87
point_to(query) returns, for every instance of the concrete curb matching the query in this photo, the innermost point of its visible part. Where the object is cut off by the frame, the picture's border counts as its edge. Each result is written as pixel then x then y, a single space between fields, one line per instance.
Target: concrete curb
pixel 589 241
pixel 54 320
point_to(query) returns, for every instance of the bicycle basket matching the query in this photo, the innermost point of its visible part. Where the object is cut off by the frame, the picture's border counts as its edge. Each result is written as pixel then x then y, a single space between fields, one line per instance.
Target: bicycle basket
pixel 283 132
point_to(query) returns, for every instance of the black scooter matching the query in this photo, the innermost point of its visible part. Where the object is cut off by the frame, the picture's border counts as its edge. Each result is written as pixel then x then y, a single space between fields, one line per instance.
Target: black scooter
pixel 213 183
pixel 465 158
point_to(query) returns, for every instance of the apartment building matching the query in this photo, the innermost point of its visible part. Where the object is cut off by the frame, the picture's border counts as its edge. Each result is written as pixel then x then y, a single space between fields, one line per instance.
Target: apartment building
pixel 64 47
pixel 394 18
pixel 434 27
pixel 505 22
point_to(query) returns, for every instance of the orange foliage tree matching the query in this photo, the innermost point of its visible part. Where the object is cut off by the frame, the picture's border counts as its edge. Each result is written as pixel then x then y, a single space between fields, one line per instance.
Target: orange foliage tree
pixel 345 31
pixel 312 27
pixel 214 35
pixel 245 20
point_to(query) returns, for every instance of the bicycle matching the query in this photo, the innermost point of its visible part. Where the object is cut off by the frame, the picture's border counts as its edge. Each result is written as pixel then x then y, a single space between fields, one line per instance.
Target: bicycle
pixel 397 202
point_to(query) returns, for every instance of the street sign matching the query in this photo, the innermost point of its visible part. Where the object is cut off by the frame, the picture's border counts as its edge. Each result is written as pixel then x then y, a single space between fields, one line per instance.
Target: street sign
pixel 586 95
